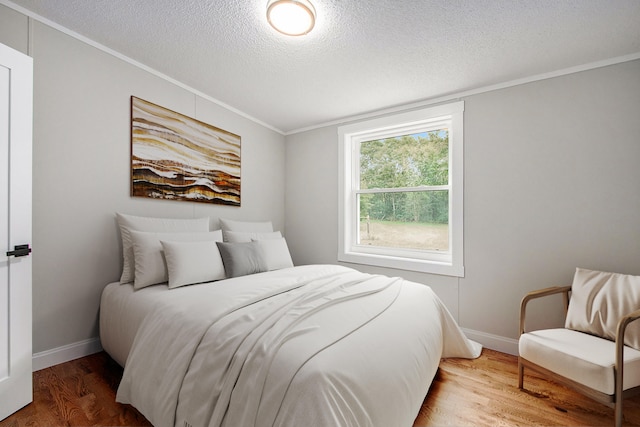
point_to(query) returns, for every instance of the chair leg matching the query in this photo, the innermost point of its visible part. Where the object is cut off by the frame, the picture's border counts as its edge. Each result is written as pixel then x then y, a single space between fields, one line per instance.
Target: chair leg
pixel 520 374
pixel 619 385
pixel 618 412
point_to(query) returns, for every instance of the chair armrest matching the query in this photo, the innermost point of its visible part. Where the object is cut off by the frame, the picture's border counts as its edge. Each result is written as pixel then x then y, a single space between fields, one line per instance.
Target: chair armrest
pixel 539 294
pixel 624 322
pixel 622 327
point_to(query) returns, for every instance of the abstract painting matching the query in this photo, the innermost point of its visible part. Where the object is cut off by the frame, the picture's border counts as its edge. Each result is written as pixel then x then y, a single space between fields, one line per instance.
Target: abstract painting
pixel 176 157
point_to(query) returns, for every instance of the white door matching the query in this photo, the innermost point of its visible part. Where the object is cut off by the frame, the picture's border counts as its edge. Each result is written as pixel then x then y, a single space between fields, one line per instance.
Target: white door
pixel 16 98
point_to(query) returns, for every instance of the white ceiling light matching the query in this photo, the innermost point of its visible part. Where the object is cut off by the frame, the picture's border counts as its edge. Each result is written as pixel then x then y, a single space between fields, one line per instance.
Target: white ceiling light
pixel 291 17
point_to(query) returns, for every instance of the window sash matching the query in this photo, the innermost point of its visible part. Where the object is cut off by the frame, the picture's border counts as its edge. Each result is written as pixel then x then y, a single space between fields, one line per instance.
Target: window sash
pixel 420 188
pixel 448 262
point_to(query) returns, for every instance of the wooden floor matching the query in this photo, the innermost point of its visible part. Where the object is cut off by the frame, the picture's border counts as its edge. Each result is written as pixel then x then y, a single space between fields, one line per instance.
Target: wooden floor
pixel 480 392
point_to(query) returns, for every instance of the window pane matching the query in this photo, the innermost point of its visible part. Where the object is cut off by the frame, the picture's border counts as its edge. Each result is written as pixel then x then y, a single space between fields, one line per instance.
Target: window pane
pixel 405 161
pixel 408 220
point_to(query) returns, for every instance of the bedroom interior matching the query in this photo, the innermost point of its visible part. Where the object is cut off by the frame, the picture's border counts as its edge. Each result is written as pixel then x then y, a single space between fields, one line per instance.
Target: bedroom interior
pixel 550 160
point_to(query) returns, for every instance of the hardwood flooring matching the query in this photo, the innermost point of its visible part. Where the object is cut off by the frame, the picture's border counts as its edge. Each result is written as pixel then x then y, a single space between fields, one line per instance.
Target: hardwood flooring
pixel 484 392
pixel 77 393
pixel 480 392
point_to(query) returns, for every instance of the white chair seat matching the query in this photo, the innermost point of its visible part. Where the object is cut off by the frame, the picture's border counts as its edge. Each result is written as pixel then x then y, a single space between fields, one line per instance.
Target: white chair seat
pixel 580 357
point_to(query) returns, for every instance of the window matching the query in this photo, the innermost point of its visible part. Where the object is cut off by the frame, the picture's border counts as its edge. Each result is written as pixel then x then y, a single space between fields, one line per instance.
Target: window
pixel 401 191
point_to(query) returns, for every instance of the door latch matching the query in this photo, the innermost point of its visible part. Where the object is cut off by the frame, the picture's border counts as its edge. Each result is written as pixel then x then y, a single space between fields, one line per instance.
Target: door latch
pixel 19 250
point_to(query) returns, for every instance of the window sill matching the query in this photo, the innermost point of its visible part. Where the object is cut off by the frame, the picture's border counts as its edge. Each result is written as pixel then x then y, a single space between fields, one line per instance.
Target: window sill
pixel 423 266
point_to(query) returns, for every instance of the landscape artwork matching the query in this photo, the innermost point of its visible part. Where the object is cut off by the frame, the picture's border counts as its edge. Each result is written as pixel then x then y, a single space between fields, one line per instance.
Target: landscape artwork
pixel 176 157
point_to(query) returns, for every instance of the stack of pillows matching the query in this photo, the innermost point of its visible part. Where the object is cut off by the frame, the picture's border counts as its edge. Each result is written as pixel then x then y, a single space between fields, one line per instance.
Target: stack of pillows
pixel 182 252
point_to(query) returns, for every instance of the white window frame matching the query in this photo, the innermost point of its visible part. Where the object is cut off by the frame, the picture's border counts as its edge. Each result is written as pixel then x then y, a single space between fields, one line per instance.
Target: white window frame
pixel 451 262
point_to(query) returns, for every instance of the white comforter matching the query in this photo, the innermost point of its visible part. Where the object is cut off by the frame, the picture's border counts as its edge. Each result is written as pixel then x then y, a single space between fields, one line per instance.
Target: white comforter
pixel 307 346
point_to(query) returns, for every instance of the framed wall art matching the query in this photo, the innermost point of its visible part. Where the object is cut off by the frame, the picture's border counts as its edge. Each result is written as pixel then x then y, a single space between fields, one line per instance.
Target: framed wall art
pixel 176 157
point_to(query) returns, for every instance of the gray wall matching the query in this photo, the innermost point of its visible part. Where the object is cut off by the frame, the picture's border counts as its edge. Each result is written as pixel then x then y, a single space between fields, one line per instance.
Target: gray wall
pixel 552 183
pixel 13 29
pixel 81 172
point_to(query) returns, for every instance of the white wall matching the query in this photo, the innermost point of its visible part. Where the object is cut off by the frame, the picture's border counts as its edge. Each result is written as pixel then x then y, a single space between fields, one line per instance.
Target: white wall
pixel 552 183
pixel 81 173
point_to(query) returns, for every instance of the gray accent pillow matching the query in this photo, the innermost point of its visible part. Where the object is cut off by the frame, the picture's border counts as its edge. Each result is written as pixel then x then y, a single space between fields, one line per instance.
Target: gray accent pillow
pixel 241 259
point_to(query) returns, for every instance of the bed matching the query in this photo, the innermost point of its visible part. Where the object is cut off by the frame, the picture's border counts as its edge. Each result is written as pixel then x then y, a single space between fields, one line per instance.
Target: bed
pixel 314 345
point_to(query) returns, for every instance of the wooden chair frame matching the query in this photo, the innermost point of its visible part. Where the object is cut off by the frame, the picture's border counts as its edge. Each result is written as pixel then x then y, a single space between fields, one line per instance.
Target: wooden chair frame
pixel 615 400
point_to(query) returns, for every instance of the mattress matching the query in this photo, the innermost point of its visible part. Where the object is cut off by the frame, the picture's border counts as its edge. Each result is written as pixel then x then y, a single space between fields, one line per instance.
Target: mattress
pixel 122 310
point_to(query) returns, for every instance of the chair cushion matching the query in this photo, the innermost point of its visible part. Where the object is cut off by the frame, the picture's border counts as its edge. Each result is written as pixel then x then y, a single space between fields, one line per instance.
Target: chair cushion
pixel 599 300
pixel 581 357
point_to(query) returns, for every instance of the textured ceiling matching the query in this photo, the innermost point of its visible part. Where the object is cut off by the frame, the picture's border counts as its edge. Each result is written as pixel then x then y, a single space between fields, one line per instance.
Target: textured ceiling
pixel 362 56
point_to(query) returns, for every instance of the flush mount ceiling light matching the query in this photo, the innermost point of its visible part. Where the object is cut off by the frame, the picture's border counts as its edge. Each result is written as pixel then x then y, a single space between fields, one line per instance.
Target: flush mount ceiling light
pixel 291 17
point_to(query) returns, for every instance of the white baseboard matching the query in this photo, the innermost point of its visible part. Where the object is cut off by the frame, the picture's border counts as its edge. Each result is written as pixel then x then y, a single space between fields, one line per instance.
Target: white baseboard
pixel 65 353
pixel 493 342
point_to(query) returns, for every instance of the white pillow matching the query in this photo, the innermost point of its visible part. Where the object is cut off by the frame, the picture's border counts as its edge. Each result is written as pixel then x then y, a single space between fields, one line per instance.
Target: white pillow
pixel 192 262
pixel 245 226
pixel 140 223
pixel 599 300
pixel 247 236
pixel 150 266
pixel 276 253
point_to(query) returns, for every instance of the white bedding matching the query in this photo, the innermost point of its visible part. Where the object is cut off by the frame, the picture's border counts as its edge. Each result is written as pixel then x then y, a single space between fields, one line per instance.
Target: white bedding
pixel 310 345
